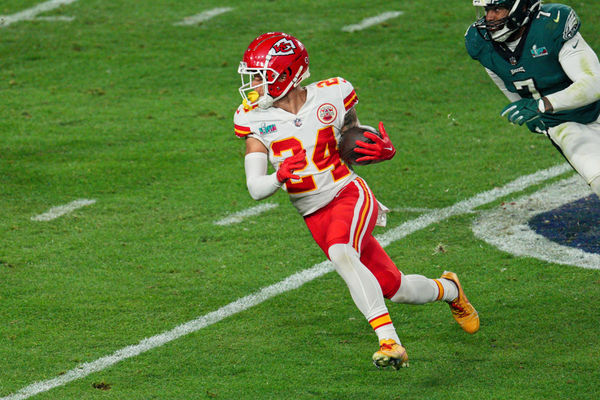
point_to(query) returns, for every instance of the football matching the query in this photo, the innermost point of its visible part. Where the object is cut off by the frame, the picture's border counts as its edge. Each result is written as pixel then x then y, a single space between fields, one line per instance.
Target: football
pixel 348 144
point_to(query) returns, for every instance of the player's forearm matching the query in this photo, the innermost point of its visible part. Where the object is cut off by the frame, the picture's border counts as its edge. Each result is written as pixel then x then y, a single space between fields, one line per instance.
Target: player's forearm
pixel 260 185
pixel 580 63
pixel 581 93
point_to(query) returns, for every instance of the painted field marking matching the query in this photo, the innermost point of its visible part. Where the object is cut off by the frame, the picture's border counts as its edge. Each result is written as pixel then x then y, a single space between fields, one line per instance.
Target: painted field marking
pixel 506 227
pixel 31 13
pixel 412 209
pixel 292 282
pixel 239 216
pixel 59 211
pixel 467 206
pixel 367 22
pixel 62 18
pixel 203 16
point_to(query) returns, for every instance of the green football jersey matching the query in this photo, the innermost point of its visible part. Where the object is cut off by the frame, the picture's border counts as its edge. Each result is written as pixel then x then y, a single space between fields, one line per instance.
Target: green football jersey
pixel 533 69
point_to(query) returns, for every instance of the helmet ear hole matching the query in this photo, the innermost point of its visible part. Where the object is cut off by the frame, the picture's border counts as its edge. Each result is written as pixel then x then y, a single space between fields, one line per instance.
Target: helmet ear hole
pixel 271 76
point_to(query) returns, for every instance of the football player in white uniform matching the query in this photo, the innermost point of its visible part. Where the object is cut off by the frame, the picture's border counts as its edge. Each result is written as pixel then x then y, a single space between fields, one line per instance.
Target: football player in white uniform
pixel 297 129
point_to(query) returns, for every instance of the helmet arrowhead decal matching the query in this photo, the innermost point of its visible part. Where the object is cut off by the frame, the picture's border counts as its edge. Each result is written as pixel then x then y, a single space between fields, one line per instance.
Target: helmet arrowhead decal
pixel 283 47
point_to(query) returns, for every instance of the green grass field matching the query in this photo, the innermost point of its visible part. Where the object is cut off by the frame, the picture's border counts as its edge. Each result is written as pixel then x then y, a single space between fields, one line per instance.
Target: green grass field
pixel 120 105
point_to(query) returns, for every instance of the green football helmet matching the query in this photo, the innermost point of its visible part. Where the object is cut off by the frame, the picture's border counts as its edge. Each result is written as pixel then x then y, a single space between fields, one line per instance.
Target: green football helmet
pixel 520 12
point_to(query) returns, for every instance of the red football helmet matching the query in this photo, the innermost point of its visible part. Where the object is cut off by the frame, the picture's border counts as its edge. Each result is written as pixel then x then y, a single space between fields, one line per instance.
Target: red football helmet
pixel 270 56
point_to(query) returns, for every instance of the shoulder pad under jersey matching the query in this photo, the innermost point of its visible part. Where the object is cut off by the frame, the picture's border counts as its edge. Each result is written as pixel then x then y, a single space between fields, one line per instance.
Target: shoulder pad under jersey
pixel 474 42
pixel 559 21
pixel 342 87
pixel 241 124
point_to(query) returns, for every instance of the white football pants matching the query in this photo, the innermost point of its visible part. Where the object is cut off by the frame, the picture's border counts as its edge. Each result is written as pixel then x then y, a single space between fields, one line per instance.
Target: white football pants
pixel 580 144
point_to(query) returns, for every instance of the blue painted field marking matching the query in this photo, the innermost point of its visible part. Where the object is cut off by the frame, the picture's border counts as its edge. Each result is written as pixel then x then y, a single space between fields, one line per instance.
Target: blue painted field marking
pixel 507 227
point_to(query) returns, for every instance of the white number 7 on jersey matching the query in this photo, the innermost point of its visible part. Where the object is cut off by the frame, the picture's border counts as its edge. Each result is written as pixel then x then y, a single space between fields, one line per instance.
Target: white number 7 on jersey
pixel 529 86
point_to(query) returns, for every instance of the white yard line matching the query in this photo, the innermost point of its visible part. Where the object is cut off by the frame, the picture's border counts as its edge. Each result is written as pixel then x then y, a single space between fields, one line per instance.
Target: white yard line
pixel 239 216
pixel 83 370
pixel 467 206
pixel 61 18
pixel 203 16
pixel 292 282
pixel 32 12
pixel 367 22
pixel 59 211
pixel 412 209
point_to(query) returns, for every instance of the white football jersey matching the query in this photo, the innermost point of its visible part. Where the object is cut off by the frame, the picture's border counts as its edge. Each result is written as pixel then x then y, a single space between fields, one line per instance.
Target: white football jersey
pixel 315 128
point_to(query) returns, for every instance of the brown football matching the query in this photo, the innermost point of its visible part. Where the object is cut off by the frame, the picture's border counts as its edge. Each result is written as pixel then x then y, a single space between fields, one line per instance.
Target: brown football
pixel 348 144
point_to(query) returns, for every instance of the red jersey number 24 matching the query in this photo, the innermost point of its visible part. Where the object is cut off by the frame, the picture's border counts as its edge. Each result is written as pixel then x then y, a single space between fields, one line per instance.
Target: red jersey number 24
pixel 324 156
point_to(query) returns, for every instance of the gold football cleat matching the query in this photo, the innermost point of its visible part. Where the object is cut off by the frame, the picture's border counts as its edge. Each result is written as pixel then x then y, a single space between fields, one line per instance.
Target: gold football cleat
pixel 391 354
pixel 462 310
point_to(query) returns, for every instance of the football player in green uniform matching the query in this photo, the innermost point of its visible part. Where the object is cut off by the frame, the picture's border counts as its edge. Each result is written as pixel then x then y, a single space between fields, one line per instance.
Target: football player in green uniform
pixel 551 76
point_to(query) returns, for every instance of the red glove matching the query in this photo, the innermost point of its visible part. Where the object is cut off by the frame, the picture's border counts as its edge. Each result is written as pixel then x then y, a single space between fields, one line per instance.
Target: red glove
pixel 382 148
pixel 289 165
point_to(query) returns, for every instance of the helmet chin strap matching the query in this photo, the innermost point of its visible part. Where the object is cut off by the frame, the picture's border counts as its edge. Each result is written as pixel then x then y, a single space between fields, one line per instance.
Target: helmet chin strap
pixel 503 34
pixel 265 101
pixel 516 19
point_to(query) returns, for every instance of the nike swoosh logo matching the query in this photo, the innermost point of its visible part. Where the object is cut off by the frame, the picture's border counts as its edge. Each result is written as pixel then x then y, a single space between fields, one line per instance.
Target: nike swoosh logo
pixel 576 43
pixel 557 17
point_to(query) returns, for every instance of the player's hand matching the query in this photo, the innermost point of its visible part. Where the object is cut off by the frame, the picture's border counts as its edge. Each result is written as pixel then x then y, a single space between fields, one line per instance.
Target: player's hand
pixel 521 111
pixel 381 149
pixel 536 125
pixel 289 165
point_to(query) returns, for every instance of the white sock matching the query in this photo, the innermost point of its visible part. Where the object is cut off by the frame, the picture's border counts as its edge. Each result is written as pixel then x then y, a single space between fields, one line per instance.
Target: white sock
pixel 364 289
pixel 418 289
pixel 450 291
pixel 387 332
